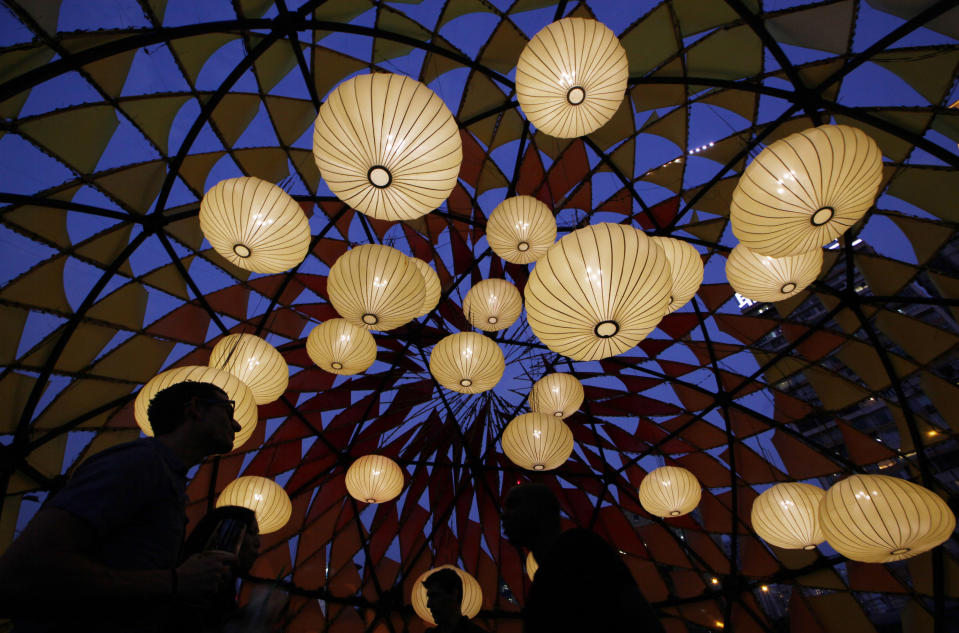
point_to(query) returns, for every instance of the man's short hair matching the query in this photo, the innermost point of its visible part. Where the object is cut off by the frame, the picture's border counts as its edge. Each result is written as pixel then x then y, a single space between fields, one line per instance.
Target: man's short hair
pixel 445 580
pixel 167 408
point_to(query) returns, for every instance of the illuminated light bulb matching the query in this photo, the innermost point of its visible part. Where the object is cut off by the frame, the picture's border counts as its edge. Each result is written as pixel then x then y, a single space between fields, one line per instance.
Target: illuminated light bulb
pixel 787 515
pixel 255 362
pixel 467 362
pixel 762 278
pixel 669 491
pixel 374 479
pixel 265 497
pixel 493 305
pixel 339 347
pixel 536 441
pixel 520 229
pixel 559 395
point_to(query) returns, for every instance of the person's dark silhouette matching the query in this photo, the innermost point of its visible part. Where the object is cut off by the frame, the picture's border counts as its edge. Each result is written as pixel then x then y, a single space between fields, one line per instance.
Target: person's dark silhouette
pixel 103 553
pixel 444 599
pixel 581 584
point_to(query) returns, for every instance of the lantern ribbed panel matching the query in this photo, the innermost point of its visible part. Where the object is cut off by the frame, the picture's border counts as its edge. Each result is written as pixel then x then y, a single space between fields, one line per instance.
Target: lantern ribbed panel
pixel 787 516
pixel 254 225
pixel 376 287
pixel 669 491
pixel 245 413
pixel 431 286
pixel 521 229
pixel 531 565
pixel 878 519
pixel 763 278
pixel 685 267
pixel 571 77
pixel 467 362
pixel 536 441
pixel 265 497
pixel 374 479
pixel 598 291
pixel 387 146
pixel 558 395
pixel 493 305
pixel 806 189
pixel 472 594
pixel 255 362
pixel 339 347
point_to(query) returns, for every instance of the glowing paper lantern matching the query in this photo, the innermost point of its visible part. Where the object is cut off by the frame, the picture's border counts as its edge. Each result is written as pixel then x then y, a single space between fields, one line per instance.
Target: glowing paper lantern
pixel 387 146
pixel 763 278
pixel 669 491
pixel 493 304
pixel 374 479
pixel 558 395
pixel 536 441
pixel 878 519
pixel 339 347
pixel 376 287
pixel 254 225
pixel 467 362
pixel 806 189
pixel 686 268
pixel 245 412
pixel 264 496
pixel 521 229
pixel 531 565
pixel 598 291
pixel 472 595
pixel 431 289
pixel 787 516
pixel 255 362
pixel 571 77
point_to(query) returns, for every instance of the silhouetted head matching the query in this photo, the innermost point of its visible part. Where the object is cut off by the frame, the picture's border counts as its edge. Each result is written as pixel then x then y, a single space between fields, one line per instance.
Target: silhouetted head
pixel 444 595
pixel 206 408
pixel 530 512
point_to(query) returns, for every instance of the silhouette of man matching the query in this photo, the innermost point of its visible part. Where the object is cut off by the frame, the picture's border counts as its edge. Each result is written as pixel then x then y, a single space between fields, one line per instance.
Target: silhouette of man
pixel 103 553
pixel 581 584
pixel 444 599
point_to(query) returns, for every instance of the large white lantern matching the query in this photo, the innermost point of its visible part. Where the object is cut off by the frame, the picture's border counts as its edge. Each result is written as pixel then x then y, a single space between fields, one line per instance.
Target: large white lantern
pixel 245 412
pixel 787 516
pixel 558 395
pixel 374 479
pixel 806 189
pixel 878 519
pixel 255 362
pixel 686 268
pixel 571 77
pixel 493 305
pixel 520 229
pixel 376 287
pixel 598 291
pixel 536 441
pixel 255 225
pixel 432 290
pixel 467 362
pixel 669 491
pixel 387 146
pixel 339 347
pixel 763 278
pixel 265 497
pixel 472 595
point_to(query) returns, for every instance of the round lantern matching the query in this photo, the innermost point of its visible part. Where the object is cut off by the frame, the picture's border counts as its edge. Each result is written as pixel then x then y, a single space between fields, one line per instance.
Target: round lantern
pixel 521 229
pixel 387 146
pixel 787 516
pixel 764 278
pixel 669 491
pixel 376 287
pixel 431 284
pixel 571 77
pixel 878 519
pixel 558 395
pixel 806 189
pixel 536 441
pixel 531 565
pixel 686 268
pixel 339 347
pixel 264 496
pixel 493 304
pixel 374 479
pixel 598 291
pixel 467 362
pixel 255 225
pixel 245 412
pixel 255 362
pixel 472 595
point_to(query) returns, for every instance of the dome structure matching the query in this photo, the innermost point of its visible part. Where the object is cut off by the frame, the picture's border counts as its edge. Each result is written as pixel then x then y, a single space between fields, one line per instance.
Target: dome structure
pixel 787 515
pixel 339 347
pixel 265 497
pixel 493 305
pixel 764 278
pixel 558 395
pixel 536 441
pixel 472 595
pixel 467 362
pixel 255 362
pixel 685 267
pixel 670 491
pixel 520 229
pixel 254 225
pixel 374 479
pixel 387 146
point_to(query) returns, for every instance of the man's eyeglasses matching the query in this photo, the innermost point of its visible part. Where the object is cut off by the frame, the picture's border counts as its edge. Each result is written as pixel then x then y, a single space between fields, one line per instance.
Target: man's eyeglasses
pixel 229 403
